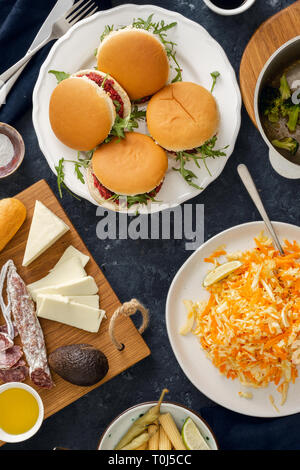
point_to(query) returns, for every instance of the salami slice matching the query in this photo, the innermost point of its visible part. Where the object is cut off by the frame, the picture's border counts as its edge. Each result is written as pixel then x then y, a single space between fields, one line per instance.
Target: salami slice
pixel 10 357
pixel 5 342
pixel 4 329
pixel 16 374
pixel 28 326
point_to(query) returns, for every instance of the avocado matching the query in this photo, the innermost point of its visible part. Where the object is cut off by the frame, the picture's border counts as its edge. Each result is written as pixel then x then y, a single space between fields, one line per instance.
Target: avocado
pixel 80 364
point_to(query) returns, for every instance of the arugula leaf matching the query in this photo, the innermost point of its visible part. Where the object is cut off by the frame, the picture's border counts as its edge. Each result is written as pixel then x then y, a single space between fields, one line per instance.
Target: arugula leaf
pixel 107 30
pixel 129 124
pixel 207 150
pixel 160 29
pixel 117 105
pixel 214 76
pixel 60 179
pixel 60 76
pixel 132 200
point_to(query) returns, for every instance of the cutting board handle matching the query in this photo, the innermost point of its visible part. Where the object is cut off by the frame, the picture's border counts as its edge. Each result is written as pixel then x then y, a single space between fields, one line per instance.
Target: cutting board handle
pixel 128 309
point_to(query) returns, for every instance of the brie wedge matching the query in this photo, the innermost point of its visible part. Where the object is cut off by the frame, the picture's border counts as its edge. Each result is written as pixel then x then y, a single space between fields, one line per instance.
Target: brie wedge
pixel 46 228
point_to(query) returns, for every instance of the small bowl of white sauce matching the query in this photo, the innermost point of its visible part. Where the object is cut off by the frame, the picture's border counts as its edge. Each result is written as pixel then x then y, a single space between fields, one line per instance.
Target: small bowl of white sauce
pixel 12 150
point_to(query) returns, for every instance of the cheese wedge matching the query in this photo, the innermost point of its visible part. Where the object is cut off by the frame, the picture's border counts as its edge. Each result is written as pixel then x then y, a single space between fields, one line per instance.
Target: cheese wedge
pixel 89 300
pixel 84 286
pixel 72 252
pixel 68 271
pixel 46 228
pixel 71 313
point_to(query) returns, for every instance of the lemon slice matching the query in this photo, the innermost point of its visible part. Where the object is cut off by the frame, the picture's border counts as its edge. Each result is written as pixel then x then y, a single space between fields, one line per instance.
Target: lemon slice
pixel 191 436
pixel 220 272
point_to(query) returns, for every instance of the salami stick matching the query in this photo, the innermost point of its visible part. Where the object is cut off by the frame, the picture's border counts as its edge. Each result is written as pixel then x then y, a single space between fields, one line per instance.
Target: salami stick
pixel 30 331
pixel 6 309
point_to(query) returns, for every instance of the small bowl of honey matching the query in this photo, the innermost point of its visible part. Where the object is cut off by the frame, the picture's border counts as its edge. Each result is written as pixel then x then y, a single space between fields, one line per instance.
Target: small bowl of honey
pixel 21 412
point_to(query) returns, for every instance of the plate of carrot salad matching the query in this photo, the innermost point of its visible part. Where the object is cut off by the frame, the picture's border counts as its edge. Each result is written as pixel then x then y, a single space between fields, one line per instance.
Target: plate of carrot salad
pixel 244 329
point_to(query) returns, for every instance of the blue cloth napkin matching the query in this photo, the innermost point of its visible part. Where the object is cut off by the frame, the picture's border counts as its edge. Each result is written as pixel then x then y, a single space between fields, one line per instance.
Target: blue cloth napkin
pixel 20 21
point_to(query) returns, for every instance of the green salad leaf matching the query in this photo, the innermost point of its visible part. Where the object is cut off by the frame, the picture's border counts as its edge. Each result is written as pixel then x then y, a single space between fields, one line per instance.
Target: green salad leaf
pixel 129 124
pixel 60 76
pixel 199 154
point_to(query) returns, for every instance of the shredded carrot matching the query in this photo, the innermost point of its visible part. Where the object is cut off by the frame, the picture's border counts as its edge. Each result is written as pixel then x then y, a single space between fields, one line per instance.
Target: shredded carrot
pixel 251 320
pixel 215 255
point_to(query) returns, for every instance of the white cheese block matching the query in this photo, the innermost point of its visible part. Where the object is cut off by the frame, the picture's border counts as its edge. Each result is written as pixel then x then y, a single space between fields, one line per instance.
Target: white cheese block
pixel 68 271
pixel 72 252
pixel 46 228
pixel 64 311
pixel 79 287
pixel 89 300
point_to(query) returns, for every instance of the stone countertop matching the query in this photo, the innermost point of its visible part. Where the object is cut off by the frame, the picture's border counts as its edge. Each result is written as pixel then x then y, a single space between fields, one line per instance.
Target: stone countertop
pixel 144 269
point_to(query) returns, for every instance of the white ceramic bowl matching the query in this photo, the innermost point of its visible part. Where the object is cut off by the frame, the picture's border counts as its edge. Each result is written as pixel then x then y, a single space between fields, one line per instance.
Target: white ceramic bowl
pixel 120 425
pixel 4 436
pixel 235 11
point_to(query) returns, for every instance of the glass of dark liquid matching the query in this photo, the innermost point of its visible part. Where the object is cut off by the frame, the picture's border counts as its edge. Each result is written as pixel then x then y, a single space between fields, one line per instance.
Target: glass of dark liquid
pixel 229 7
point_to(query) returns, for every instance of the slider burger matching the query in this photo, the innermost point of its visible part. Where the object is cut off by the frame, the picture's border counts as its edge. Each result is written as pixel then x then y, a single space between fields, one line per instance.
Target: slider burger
pixel 83 108
pixel 134 167
pixel 182 116
pixel 137 59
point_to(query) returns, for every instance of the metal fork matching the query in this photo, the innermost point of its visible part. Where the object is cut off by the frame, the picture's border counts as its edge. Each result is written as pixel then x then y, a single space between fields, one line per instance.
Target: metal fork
pixel 59 28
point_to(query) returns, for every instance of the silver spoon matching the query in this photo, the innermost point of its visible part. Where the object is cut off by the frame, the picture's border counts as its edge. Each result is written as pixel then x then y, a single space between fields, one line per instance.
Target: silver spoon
pixel 251 188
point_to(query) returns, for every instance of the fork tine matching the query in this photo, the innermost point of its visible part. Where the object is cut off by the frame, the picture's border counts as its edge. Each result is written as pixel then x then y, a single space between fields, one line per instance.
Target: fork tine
pixel 85 6
pixel 84 15
pixel 74 7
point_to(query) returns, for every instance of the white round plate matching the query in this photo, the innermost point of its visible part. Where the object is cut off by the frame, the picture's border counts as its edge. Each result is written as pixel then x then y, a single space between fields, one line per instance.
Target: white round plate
pixel 187 284
pixel 197 52
pixel 120 425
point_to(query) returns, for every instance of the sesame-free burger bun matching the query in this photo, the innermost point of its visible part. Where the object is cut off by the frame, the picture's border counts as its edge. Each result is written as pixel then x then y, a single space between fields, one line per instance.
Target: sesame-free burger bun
pixel 182 116
pixel 130 166
pixel 81 114
pixel 136 59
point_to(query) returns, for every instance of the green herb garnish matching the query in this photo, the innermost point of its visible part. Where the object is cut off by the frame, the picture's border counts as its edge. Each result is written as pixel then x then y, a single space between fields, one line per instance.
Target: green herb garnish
pixel 60 76
pixel 104 80
pixel 214 76
pixel 117 105
pixel 60 179
pixel 206 150
pixel 129 124
pixel 107 29
pixel 160 29
pixel 132 200
pixel 81 162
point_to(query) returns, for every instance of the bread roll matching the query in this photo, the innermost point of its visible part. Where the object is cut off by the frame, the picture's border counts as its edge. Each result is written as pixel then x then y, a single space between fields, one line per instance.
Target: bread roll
pixel 12 216
pixel 137 59
pixel 182 116
pixel 130 166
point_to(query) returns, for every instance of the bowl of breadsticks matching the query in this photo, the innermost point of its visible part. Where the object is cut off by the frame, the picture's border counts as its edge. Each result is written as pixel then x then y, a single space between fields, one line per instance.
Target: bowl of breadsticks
pixel 158 425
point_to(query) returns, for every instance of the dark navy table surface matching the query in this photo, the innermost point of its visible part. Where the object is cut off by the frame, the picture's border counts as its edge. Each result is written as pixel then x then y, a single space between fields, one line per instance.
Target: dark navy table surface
pixel 145 268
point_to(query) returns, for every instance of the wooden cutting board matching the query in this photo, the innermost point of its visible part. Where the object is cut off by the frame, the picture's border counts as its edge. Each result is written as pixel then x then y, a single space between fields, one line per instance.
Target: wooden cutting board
pixel 57 334
pixel 272 34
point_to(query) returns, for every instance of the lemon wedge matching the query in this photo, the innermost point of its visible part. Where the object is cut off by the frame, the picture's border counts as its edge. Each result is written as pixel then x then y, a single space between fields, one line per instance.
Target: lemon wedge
pixel 192 437
pixel 220 272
